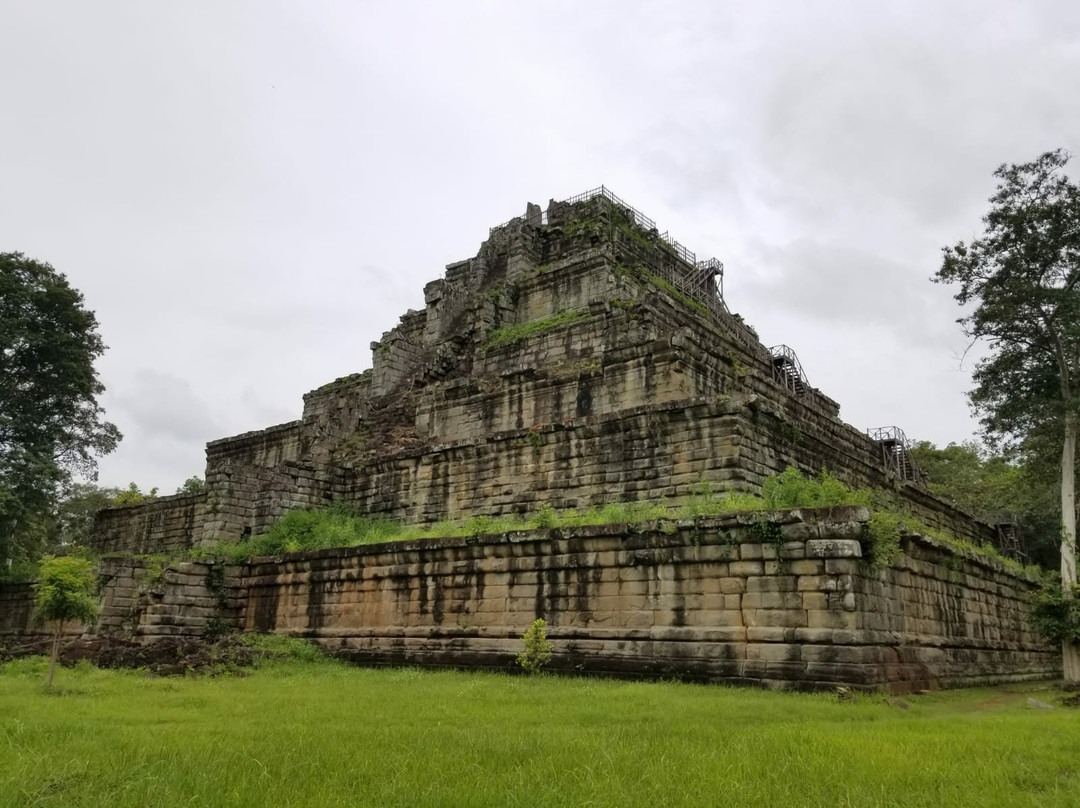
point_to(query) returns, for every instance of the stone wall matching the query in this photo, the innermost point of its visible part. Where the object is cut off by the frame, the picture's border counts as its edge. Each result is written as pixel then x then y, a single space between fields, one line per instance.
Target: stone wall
pixel 782 601
pixel 148 601
pixel 709 601
pixel 16 609
pixel 140 598
pixel 19 628
pixel 159 525
pixel 254 478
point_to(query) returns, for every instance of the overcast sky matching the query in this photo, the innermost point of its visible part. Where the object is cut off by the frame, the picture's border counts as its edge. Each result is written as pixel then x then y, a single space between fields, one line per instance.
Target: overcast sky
pixel 248 193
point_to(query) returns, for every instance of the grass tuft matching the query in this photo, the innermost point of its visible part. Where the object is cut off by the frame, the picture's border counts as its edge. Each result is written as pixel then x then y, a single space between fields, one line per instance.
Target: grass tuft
pixel 520 331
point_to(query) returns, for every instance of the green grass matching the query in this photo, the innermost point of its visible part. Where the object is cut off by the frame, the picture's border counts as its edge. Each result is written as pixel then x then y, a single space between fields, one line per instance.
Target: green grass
pixel 316 529
pixel 669 287
pixel 515 333
pixel 325 734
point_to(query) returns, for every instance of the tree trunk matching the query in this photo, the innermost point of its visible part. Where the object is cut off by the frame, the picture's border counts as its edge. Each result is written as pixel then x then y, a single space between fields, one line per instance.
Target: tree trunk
pixel 1070 651
pixel 55 652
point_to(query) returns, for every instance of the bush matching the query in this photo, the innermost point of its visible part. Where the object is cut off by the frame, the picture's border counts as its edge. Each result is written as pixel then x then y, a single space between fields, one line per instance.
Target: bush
pixel 1055 616
pixel 537 648
pixel 19 571
pixel 881 542
pixel 791 489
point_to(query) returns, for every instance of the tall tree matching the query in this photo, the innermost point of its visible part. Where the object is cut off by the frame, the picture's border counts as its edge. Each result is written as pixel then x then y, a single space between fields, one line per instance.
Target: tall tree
pixel 72 522
pixel 1022 277
pixel 50 423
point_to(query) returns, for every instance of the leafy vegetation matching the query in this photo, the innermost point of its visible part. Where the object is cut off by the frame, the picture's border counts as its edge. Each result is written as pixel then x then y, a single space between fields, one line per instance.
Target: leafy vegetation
pixel 18 571
pixel 882 541
pixel 133 495
pixel 51 426
pixel 338 526
pixel 520 331
pixel 1057 617
pixel 996 488
pixel 281 647
pixel 312 529
pixel 1020 282
pixel 536 648
pixel 791 489
pixel 669 287
pixel 63 593
pixel 192 485
pixel 295 733
pixel 67 523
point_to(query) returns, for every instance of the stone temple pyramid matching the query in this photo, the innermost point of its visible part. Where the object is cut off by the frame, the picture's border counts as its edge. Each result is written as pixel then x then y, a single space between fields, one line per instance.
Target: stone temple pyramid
pixel 581 357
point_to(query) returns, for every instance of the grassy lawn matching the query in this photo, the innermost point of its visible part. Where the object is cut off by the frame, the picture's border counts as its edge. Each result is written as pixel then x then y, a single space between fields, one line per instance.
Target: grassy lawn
pixel 326 734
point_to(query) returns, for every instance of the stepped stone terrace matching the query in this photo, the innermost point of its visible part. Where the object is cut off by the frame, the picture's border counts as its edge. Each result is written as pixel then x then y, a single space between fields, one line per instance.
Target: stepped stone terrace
pixel 581 357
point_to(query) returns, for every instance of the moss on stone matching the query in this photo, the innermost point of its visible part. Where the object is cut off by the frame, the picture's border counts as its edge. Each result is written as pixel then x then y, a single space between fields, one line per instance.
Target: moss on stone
pixel 510 334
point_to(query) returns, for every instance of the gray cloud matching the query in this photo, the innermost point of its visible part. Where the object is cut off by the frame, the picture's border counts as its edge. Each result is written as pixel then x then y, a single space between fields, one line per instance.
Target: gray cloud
pixel 853 288
pixel 165 424
pixel 164 406
pixel 249 193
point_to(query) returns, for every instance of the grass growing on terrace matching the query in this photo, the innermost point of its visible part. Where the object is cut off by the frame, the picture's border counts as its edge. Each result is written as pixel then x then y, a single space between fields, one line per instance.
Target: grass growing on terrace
pixel 326 734
pixel 317 529
pixel 515 333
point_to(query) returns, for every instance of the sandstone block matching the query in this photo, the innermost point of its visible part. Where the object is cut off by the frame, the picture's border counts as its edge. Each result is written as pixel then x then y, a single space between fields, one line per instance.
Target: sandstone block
pixel 770 634
pixel 751 552
pixel 774 617
pixel 745 569
pixel 772 600
pixel 773 652
pixel 833 548
pixel 830 619
pixel 732 586
pixel 772 583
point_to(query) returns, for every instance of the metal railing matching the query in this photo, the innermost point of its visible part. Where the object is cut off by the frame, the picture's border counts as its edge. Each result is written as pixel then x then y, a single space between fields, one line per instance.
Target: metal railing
pixel 788 370
pixel 646 223
pixel 895 452
pixel 701 280
pixel 640 219
pixel 1010 540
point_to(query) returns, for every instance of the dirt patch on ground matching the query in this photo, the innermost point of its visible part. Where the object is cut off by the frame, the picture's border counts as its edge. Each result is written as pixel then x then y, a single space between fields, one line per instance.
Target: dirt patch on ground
pixel 166 657
pixel 999 699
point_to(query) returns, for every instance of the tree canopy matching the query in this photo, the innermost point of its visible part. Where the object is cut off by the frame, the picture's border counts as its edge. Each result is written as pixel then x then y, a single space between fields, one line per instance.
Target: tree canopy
pixel 192 485
pixel 996 489
pixel 51 425
pixel 1021 278
pixel 1022 274
pixel 132 495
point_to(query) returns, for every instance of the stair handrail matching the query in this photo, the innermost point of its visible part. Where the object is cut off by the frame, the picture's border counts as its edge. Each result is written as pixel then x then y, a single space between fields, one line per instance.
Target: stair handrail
pixel 787 355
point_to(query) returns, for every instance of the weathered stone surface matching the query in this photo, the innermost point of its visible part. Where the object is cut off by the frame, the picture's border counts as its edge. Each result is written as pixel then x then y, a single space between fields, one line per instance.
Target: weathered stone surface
pixel 835 548
pixel 467 601
pixel 617 386
pixel 578 359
